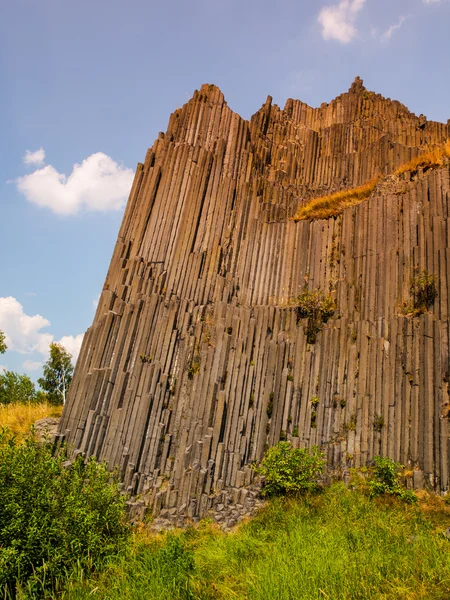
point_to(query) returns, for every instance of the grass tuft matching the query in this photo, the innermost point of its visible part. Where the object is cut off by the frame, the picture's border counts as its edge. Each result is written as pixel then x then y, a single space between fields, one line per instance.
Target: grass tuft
pixel 427 160
pixel 332 205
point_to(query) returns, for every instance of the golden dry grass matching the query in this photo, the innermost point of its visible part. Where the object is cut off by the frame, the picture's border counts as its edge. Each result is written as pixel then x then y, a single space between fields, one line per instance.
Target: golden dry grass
pixel 20 417
pixel 332 205
pixel 429 159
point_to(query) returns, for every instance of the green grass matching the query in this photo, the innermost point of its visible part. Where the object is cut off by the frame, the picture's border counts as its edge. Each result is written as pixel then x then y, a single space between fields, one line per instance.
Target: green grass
pixel 338 545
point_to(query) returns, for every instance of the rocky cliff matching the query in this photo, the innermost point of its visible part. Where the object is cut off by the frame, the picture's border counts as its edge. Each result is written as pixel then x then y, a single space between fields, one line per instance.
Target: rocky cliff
pixel 197 359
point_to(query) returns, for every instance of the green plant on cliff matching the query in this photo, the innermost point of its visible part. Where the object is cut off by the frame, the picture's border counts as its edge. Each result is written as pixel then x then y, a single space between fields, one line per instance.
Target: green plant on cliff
pixel 194 367
pixel 423 292
pixel 289 470
pixel 317 307
pixel 54 517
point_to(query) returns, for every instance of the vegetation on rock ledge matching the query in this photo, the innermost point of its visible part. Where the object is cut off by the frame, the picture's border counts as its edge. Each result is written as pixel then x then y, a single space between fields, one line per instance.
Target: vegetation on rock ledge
pixel 317 308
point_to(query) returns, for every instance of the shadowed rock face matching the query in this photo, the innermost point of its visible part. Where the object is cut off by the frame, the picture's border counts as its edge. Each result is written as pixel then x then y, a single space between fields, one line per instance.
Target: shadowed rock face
pixel 194 335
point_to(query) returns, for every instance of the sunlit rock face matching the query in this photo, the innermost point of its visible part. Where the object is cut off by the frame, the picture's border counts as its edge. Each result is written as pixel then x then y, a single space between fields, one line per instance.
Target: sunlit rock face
pixel 197 359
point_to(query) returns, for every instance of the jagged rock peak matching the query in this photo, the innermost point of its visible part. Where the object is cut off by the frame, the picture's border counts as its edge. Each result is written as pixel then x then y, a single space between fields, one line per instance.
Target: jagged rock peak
pixel 357 86
pixel 212 93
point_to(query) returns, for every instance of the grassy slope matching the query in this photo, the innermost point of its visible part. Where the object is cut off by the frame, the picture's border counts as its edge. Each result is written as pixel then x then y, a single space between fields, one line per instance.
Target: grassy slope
pixel 337 545
pixel 20 417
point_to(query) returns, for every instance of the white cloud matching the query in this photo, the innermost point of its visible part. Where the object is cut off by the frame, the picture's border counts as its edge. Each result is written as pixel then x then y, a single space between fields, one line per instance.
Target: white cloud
pixel 23 333
pixel 32 365
pixel 392 29
pixel 34 158
pixel 432 1
pixel 97 184
pixel 72 344
pixel 338 20
pixel 3 368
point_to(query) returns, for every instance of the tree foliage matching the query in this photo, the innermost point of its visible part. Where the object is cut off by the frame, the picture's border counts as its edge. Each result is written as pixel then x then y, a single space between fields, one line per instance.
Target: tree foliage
pixel 16 388
pixel 288 470
pixel 3 346
pixel 57 375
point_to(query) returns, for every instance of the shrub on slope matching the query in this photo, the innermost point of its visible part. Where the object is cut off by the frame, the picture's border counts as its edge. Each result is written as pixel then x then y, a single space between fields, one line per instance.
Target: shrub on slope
pixel 53 517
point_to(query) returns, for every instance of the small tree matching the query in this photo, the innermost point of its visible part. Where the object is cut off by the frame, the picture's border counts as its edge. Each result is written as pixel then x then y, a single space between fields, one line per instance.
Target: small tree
pixel 58 371
pixel 3 346
pixel 288 470
pixel 15 388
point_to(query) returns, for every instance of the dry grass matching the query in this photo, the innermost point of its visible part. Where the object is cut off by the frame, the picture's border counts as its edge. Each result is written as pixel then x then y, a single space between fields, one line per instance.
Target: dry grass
pixel 427 160
pixel 20 417
pixel 332 205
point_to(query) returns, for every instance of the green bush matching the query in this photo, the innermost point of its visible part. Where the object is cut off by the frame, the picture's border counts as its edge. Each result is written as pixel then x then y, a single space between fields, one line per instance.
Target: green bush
pixel 288 470
pixel 317 308
pixel 54 517
pixel 384 479
pixel 423 290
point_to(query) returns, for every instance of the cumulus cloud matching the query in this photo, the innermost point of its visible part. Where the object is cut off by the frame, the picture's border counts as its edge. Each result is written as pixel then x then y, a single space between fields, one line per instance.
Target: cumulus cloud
pixel 392 29
pixel 72 344
pixel 97 184
pixel 34 158
pixel 338 20
pixel 24 333
pixel 32 365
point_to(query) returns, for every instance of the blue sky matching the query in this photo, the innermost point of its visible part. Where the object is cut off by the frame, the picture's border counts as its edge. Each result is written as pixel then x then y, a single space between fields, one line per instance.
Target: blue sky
pixel 87 86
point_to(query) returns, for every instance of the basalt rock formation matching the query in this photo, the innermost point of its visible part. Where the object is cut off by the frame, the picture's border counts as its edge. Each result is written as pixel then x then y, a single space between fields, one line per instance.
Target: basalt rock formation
pixel 198 360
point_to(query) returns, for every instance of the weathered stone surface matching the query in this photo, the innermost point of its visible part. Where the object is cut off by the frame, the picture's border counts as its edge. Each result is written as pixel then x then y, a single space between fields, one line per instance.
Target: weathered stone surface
pixel 194 335
pixel 46 428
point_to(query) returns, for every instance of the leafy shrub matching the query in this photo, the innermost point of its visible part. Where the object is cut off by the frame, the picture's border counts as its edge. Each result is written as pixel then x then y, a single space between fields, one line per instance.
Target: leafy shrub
pixel 317 308
pixel 423 290
pixel 423 294
pixel 53 516
pixel 384 479
pixel 288 470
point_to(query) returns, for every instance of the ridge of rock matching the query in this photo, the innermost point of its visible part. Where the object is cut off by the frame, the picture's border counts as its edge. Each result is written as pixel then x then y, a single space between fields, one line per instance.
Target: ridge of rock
pixel 196 334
